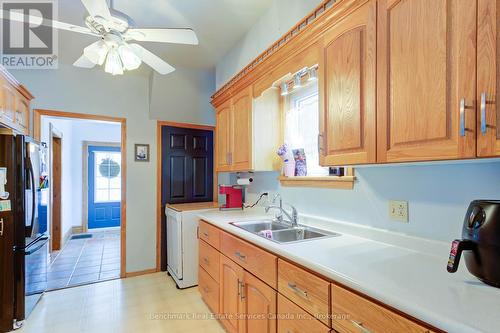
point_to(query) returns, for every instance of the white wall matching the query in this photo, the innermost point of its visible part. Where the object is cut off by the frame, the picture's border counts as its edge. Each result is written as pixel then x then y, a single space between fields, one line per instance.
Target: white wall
pixel 65 129
pixel 275 22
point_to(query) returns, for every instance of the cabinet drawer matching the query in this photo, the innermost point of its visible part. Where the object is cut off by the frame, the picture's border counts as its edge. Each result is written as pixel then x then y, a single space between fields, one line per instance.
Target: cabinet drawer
pixel 209 234
pixel 208 258
pixel 354 314
pixel 260 263
pixel 209 290
pixel 292 319
pixel 310 292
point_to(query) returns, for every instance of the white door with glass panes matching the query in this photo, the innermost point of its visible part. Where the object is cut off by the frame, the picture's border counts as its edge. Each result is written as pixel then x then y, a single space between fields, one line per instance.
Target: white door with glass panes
pixel 302 127
pixel 104 187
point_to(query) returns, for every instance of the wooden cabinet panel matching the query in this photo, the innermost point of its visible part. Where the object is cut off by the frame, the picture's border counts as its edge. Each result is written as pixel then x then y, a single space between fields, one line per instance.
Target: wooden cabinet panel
pixel 241 131
pixel 22 109
pixel 209 290
pixel 222 137
pixel 292 319
pixel 230 303
pixel 208 258
pixel 209 233
pixel 488 78
pixel 349 64
pixel 354 314
pixel 426 67
pixel 9 102
pixel 257 261
pixel 259 306
pixel 307 290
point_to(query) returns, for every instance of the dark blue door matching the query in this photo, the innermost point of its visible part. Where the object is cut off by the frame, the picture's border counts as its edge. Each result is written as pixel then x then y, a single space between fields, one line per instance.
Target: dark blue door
pixel 104 177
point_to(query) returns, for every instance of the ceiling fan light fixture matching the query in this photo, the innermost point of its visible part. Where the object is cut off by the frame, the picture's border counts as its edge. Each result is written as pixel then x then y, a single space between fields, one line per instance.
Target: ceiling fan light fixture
pixel 129 59
pixel 97 52
pixel 114 65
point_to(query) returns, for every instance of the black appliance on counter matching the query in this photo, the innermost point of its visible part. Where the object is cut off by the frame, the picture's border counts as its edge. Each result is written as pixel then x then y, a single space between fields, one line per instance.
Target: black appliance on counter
pixel 481 242
pixel 23 235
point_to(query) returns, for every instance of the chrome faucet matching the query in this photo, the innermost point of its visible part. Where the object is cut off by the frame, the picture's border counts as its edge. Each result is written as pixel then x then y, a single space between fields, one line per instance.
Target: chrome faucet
pixel 294 218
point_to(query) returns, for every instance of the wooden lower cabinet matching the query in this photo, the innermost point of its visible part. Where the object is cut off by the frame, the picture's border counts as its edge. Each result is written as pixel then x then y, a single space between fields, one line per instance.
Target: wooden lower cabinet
pixel 300 301
pixel 259 305
pixel 292 319
pixel 230 302
pixel 209 290
pixel 354 314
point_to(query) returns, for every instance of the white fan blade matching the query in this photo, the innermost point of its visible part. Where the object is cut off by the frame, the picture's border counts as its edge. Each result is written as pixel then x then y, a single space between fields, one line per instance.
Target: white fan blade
pixel 36 20
pixel 151 59
pixel 97 8
pixel 177 36
pixel 83 62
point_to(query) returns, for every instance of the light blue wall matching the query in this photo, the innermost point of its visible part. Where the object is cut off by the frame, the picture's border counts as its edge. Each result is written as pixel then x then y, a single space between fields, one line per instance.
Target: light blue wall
pixel 438 196
pixel 275 22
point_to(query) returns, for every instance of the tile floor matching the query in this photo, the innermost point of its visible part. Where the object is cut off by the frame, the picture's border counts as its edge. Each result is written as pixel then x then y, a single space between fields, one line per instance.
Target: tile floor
pixel 86 260
pixel 139 304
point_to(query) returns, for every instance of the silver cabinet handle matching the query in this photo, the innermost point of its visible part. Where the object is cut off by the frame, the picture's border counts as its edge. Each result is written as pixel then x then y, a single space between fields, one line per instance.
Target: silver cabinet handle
pixel 206 234
pixel 320 143
pixel 230 158
pixel 242 293
pixel 239 255
pixel 297 290
pixel 359 327
pixel 205 259
pixel 206 290
pixel 483 113
pixel 462 117
pixel 1 227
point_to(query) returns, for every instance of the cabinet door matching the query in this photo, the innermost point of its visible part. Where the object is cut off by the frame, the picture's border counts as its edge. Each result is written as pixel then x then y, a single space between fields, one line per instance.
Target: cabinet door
pixel 349 66
pixel 259 303
pixel 426 80
pixel 9 102
pixel 222 136
pixel 488 78
pixel 241 127
pixel 230 302
pixel 22 113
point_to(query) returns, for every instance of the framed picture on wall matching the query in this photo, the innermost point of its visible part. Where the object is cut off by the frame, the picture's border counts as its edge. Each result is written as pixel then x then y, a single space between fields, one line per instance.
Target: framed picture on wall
pixel 141 152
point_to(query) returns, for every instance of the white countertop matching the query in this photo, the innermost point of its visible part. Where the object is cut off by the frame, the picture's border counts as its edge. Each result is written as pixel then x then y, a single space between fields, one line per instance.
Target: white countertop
pixel 404 272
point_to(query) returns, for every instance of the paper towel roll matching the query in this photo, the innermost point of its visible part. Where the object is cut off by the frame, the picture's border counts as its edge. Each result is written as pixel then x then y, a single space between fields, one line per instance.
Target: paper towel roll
pixel 244 181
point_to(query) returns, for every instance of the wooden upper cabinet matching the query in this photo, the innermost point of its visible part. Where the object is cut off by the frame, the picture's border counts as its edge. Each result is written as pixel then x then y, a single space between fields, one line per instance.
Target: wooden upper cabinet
pixel 349 87
pixel 9 102
pixel 222 137
pixel 426 54
pixel 22 113
pixel 488 78
pixel 241 133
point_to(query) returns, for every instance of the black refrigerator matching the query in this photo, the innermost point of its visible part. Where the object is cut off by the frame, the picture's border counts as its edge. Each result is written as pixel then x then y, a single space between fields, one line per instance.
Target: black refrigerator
pixel 24 235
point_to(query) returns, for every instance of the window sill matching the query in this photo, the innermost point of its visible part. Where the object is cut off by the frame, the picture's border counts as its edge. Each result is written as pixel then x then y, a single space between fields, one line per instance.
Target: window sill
pixel 343 183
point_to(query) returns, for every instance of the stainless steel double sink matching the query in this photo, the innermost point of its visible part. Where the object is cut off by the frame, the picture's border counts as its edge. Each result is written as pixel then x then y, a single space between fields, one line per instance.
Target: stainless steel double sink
pixel 282 232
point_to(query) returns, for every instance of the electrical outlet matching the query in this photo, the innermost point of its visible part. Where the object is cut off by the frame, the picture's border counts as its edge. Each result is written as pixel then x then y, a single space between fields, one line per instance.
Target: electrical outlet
pixel 398 210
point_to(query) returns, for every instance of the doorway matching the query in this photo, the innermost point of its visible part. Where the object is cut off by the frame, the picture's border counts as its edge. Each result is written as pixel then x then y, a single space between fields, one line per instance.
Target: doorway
pixel 104 187
pixel 56 189
pixel 92 251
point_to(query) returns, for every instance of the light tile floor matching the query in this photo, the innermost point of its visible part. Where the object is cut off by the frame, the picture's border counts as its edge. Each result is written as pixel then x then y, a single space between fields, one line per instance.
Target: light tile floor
pixel 86 260
pixel 140 304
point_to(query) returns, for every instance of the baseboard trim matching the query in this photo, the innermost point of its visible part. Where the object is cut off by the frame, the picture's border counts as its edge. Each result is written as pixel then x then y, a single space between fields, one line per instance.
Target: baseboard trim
pixel 76 230
pixel 138 273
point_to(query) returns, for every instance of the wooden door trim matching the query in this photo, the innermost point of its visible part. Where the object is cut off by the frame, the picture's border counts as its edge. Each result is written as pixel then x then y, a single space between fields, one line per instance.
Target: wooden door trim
pixel 159 125
pixel 54 133
pixel 37 122
pixel 85 178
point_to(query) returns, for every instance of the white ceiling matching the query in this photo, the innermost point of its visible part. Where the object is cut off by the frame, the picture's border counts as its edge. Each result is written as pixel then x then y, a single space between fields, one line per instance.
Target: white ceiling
pixel 219 24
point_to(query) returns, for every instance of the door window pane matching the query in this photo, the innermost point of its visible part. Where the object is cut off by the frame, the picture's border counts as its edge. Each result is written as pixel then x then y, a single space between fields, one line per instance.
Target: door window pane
pixel 107 176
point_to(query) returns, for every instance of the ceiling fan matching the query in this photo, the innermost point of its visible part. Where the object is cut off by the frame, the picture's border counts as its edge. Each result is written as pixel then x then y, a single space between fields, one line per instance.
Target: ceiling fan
pixel 116 31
